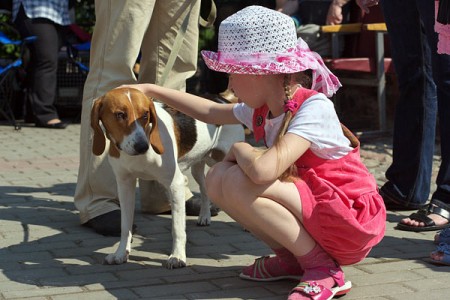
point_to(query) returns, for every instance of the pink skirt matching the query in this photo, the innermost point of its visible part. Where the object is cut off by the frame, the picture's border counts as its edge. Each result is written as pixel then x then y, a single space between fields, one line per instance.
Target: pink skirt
pixel 345 228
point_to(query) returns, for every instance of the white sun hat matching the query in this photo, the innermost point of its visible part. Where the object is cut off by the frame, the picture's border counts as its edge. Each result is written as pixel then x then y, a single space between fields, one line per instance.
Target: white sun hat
pixel 260 41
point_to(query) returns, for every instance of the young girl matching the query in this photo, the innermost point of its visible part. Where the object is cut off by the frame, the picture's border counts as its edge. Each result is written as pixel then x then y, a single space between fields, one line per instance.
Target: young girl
pixel 307 196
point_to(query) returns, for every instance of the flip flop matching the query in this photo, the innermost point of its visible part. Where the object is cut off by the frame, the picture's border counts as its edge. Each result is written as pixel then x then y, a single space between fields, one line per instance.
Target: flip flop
pixel 436 207
pixel 444 249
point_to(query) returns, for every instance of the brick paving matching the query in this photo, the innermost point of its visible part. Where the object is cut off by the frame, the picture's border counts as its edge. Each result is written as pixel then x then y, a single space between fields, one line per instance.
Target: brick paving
pixel 46 254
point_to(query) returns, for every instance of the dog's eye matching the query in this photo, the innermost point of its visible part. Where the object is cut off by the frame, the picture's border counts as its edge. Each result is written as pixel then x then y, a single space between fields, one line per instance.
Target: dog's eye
pixel 121 116
pixel 145 116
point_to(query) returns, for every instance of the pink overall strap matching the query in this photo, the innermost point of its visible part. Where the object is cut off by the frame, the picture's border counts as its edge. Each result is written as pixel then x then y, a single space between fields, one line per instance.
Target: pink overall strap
pixel 260 114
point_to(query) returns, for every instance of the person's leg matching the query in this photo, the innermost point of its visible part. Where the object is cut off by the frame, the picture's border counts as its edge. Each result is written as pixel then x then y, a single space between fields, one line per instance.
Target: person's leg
pixel 157 46
pixel 41 87
pixel 284 264
pixel 409 175
pixel 257 208
pixel 441 76
pixel 273 213
pixel 115 46
pixel 159 39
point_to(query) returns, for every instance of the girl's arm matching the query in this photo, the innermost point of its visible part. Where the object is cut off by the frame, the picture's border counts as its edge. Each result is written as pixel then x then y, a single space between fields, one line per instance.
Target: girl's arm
pixel 199 108
pixel 264 167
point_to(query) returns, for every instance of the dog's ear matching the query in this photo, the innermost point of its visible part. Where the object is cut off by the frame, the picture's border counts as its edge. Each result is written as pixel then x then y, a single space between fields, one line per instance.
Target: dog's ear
pixel 154 137
pixel 98 141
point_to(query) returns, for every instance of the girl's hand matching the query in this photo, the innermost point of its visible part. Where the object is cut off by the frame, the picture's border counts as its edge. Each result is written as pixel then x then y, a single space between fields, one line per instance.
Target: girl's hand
pixel 239 152
pixel 197 107
pixel 230 157
pixel 138 86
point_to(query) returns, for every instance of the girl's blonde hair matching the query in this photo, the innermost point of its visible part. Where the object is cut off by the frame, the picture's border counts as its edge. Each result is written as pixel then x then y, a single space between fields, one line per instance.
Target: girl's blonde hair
pixel 304 79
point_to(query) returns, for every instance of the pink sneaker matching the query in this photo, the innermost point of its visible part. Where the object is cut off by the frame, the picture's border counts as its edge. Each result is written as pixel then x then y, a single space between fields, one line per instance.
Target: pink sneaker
pixel 271 269
pixel 313 290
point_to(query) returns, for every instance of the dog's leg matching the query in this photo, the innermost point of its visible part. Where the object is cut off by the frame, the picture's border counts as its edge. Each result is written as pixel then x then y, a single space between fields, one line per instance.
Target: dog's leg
pixel 198 172
pixel 177 258
pixel 126 189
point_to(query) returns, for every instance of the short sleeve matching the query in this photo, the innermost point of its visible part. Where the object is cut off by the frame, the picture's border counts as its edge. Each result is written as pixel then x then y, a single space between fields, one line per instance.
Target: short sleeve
pixel 244 114
pixel 318 122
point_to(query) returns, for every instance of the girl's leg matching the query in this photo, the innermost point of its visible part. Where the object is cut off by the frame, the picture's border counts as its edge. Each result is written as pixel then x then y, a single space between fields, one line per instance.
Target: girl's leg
pixel 284 264
pixel 273 213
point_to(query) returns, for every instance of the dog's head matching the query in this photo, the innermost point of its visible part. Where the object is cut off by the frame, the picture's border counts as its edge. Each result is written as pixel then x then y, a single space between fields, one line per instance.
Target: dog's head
pixel 130 122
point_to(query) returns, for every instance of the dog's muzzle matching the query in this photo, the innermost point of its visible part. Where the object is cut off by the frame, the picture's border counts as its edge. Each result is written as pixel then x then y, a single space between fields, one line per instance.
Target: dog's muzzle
pixel 136 143
pixel 141 146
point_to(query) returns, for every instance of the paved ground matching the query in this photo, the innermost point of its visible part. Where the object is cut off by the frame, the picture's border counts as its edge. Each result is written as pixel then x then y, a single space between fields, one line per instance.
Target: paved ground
pixel 45 254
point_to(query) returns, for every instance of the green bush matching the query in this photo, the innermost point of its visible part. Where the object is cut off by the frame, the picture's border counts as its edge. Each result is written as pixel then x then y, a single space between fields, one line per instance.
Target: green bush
pixel 8 51
pixel 85 14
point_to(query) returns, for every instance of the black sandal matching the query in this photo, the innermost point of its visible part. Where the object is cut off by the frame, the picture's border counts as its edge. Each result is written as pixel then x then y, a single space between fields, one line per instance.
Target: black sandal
pixel 436 207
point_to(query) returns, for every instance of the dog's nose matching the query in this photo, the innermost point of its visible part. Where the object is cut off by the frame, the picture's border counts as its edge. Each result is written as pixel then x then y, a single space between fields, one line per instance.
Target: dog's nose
pixel 141 147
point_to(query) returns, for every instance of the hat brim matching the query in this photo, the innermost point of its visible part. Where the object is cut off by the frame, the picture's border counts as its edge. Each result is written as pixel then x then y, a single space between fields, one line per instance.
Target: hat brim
pixel 212 62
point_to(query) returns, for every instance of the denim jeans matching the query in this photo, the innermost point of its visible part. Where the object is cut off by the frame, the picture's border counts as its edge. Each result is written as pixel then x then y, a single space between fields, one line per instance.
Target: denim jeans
pixel 424 84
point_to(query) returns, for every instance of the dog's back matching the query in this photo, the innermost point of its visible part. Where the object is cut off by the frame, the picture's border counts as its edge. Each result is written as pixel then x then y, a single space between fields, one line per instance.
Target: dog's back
pixel 197 140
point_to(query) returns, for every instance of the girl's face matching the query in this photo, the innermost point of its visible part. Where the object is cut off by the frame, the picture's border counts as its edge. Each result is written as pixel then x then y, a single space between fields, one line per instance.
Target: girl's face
pixel 256 90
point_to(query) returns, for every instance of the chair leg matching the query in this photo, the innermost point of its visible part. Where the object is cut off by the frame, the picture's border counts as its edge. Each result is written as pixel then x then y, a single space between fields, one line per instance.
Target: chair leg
pixel 381 78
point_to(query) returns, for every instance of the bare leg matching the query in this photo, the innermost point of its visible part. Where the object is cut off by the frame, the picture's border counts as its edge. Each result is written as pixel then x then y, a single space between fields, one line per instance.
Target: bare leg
pixel 272 212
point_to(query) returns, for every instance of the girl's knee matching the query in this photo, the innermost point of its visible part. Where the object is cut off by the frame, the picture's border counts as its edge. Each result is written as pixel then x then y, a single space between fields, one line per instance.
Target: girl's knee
pixel 213 181
pixel 221 181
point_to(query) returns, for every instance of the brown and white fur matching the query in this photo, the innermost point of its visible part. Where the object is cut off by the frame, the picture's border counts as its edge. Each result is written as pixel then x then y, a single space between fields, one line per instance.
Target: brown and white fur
pixel 148 140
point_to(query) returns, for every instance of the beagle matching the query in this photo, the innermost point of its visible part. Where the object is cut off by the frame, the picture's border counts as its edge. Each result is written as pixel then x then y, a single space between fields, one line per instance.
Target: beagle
pixel 151 141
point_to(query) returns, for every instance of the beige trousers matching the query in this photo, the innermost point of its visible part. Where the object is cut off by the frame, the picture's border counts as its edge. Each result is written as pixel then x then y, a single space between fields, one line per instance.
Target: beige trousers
pixel 123 29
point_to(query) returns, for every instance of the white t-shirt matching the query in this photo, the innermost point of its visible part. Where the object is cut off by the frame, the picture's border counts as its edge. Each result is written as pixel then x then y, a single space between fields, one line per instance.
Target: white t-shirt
pixel 315 121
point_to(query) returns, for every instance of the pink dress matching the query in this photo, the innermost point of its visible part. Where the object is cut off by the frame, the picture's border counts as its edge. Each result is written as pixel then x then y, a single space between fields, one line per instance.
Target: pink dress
pixel 342 209
pixel 443 31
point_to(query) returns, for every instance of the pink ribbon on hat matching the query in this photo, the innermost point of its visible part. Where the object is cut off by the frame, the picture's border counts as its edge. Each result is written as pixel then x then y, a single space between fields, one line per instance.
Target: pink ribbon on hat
pixel 323 80
pixel 293 60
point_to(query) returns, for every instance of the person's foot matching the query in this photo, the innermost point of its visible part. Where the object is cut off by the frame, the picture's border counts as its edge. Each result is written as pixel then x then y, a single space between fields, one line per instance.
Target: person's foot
pixel 435 216
pixel 395 200
pixel 271 268
pixel 321 283
pixel 441 255
pixel 437 255
pixel 52 124
pixel 437 219
pixel 107 224
pixel 194 204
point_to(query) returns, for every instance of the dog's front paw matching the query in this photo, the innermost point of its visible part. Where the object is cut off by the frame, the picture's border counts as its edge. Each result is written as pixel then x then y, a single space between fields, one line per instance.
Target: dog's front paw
pixel 204 217
pixel 116 259
pixel 174 262
pixel 204 220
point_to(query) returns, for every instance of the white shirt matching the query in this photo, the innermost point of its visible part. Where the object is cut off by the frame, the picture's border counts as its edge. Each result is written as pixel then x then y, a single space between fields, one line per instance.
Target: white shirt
pixel 315 121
